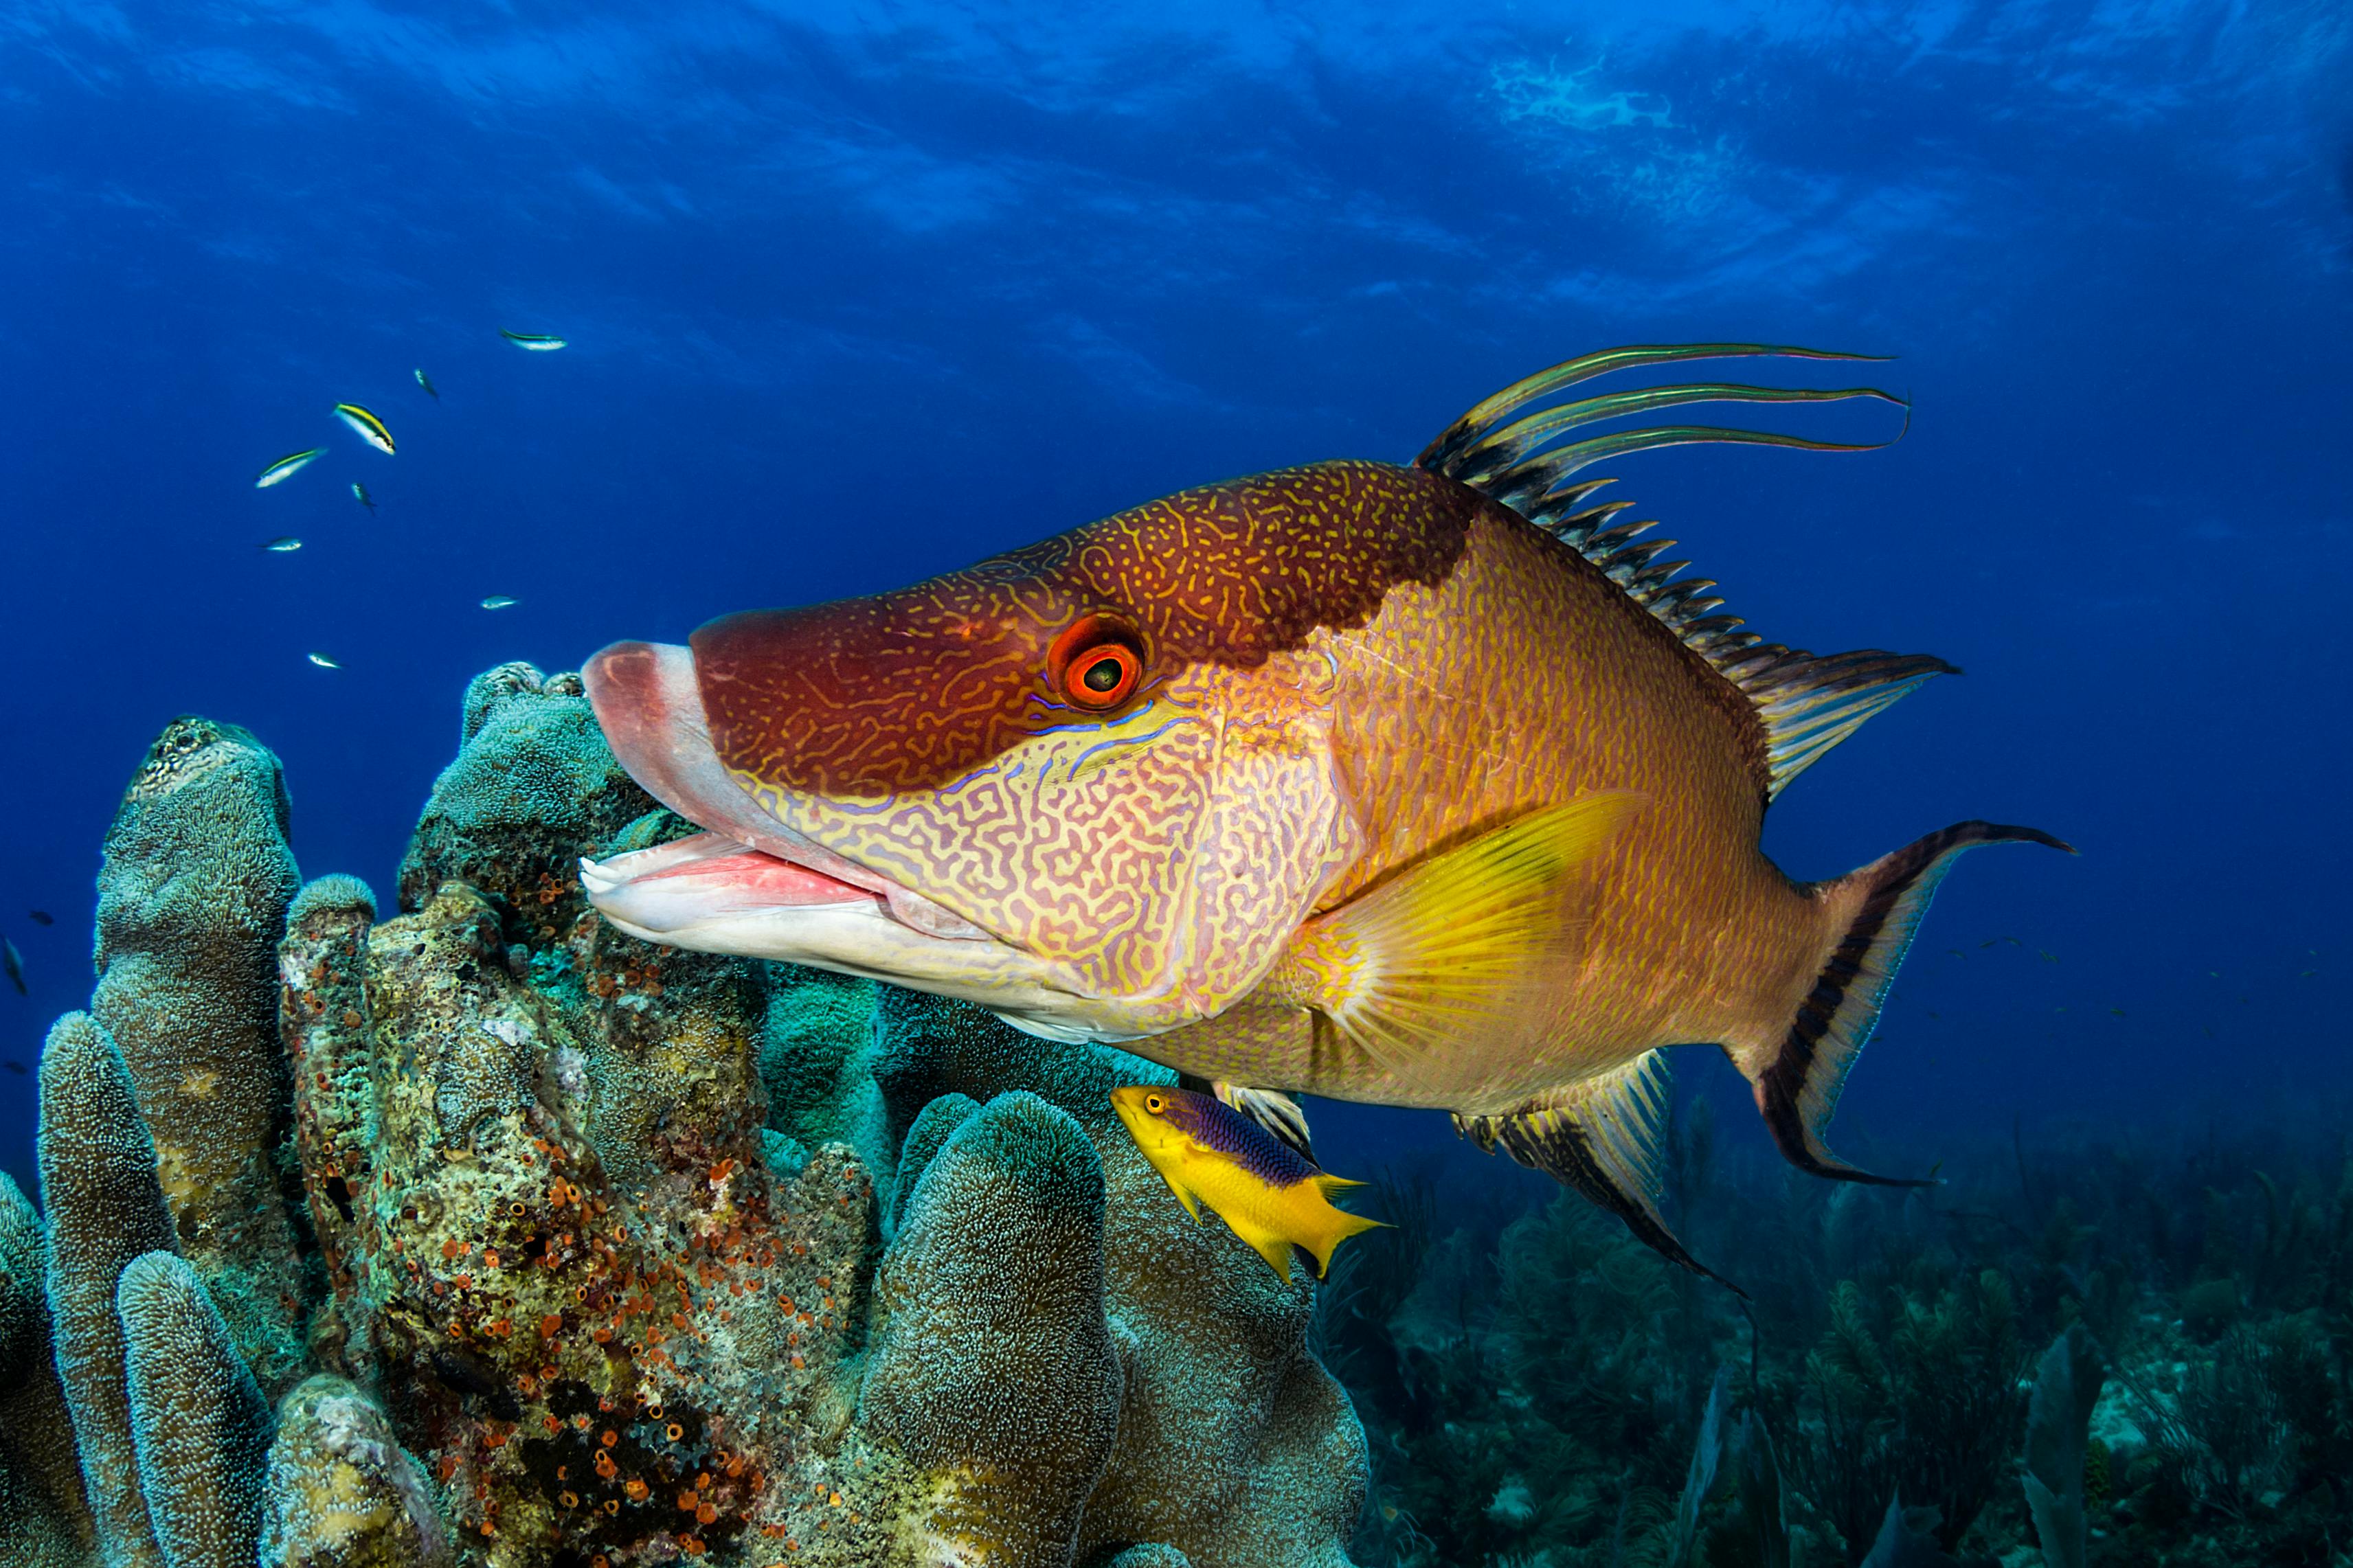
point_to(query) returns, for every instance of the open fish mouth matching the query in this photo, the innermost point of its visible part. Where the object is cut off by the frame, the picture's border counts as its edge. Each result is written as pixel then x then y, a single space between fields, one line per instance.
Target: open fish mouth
pixel 669 889
pixel 751 886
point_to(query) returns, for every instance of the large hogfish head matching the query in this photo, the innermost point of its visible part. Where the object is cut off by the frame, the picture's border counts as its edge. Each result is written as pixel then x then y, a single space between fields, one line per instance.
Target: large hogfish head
pixel 1089 785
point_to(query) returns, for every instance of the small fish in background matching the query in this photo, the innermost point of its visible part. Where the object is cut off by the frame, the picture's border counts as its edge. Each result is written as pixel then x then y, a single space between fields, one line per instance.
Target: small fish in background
pixel 323 661
pixel 426 382
pixel 18 1068
pixel 42 917
pixel 286 467
pixel 538 342
pixel 284 545
pixel 14 962
pixel 1268 1192
pixel 500 602
pixel 370 428
pixel 359 493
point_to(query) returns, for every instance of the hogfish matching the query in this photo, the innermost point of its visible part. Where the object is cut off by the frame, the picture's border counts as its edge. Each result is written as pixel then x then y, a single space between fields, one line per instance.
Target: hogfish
pixel 1428 785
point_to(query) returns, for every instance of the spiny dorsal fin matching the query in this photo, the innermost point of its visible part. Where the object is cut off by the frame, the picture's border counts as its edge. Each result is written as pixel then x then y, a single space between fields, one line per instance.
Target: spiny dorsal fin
pixel 1604 1137
pixel 1441 951
pixel 1806 704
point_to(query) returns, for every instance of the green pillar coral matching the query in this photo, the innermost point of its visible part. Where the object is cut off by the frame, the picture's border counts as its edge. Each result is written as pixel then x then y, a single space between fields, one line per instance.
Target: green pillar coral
pixel 533 783
pixel 1235 1445
pixel 197 1416
pixel 938 1120
pixel 42 1516
pixel 97 1180
pixel 994 1371
pixel 341 1491
pixel 601 1230
pixel 192 898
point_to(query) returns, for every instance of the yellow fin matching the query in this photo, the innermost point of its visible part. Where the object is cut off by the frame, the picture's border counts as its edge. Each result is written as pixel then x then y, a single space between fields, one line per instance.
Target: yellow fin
pixel 1429 957
pixel 1184 1193
pixel 1338 1226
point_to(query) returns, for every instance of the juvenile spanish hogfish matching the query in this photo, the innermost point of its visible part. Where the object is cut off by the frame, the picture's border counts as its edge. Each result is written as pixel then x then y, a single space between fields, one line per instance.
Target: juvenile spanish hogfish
pixel 1428 785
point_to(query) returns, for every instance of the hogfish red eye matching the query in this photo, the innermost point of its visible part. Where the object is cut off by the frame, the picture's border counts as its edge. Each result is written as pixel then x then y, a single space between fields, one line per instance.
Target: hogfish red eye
pixel 1095 664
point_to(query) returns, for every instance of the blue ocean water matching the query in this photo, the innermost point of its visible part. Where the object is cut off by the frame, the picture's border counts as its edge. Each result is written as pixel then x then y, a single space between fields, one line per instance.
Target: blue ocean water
pixel 857 293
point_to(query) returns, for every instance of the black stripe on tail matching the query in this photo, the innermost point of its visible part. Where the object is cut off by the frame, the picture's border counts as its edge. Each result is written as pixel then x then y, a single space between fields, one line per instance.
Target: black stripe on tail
pixel 1798 1089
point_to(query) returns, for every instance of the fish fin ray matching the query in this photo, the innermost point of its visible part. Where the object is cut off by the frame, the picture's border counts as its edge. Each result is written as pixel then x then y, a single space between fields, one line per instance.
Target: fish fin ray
pixel 1797 1076
pixel 1803 702
pixel 1604 1137
pixel 1439 951
pixel 1344 1225
pixel 1275 1113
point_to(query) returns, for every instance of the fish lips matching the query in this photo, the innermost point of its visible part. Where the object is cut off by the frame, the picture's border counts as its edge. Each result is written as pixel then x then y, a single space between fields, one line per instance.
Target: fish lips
pixel 751 886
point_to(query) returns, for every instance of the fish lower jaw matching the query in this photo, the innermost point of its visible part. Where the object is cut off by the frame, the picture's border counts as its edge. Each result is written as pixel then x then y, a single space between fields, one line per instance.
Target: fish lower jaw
pixel 713 894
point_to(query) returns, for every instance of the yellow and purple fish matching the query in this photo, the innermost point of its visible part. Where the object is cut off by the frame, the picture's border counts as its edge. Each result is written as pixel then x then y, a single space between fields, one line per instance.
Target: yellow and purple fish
pixel 1427 785
pixel 1268 1193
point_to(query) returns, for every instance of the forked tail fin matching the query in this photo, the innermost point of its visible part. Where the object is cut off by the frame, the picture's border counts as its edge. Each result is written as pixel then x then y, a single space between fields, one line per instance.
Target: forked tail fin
pixel 1798 1080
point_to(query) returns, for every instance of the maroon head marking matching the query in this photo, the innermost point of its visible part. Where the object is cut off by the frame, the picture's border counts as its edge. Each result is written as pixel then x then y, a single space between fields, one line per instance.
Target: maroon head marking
pixel 912 688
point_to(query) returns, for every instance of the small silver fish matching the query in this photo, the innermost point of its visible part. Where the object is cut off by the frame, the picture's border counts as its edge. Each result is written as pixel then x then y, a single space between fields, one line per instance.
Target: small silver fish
pixel 323 661
pixel 371 428
pixel 359 493
pixel 14 963
pixel 538 342
pixel 286 467
pixel 284 545
pixel 498 602
pixel 426 382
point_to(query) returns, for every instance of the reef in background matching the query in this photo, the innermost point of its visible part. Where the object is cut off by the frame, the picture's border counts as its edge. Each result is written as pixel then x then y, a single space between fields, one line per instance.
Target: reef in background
pixel 1536 1386
pixel 486 1236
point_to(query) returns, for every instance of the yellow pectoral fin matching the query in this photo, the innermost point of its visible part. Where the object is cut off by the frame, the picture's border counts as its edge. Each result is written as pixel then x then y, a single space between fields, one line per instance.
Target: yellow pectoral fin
pixel 1184 1195
pixel 1433 954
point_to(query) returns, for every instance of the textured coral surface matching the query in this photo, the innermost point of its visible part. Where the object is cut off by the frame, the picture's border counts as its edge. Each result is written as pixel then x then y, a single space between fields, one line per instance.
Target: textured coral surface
pixel 553 1248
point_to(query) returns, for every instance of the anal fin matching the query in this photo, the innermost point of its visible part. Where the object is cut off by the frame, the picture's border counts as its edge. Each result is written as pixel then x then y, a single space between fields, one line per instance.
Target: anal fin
pixel 1603 1137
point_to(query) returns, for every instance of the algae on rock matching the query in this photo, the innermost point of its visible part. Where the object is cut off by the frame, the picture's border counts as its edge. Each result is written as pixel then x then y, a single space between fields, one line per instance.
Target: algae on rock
pixel 590 1264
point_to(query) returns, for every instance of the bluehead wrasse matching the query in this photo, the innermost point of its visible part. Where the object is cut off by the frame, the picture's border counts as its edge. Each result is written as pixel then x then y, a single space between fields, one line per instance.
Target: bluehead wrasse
pixel 286 467
pixel 284 545
pixel 541 341
pixel 500 602
pixel 371 428
pixel 1270 1195
pixel 426 382
pixel 359 493
pixel 14 963
pixel 323 661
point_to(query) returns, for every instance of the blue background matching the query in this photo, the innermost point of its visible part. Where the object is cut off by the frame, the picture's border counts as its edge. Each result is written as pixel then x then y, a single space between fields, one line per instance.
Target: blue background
pixel 867 291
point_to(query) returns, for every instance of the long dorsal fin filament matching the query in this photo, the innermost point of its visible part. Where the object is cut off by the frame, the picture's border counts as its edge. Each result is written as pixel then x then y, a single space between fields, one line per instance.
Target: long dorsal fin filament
pixel 1513 453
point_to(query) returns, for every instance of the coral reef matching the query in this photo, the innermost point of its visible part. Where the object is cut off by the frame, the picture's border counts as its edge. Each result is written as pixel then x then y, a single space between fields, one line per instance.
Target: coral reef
pixel 197 1418
pixel 604 1254
pixel 1534 1383
pixel 191 897
pixel 97 1180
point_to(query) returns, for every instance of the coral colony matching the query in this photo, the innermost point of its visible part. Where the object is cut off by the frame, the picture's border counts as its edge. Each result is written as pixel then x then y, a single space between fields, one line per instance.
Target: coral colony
pixel 486 1236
